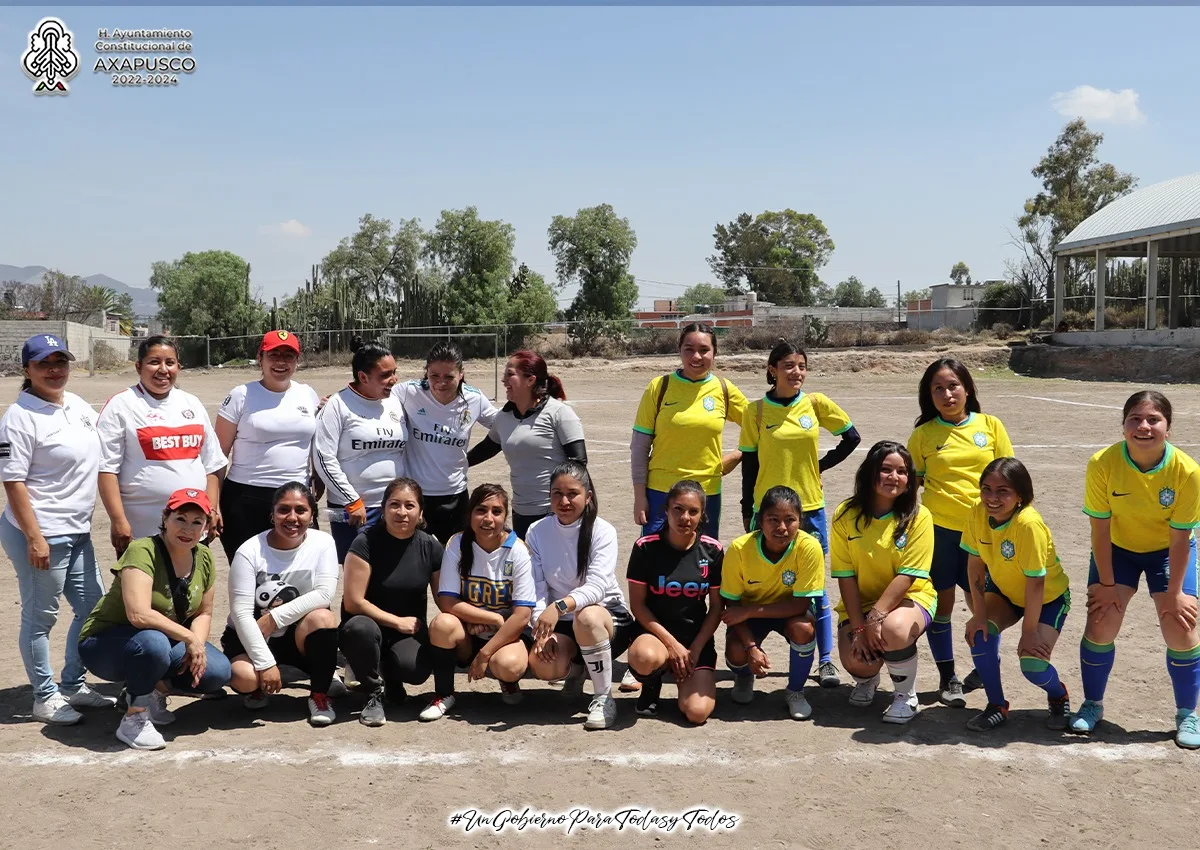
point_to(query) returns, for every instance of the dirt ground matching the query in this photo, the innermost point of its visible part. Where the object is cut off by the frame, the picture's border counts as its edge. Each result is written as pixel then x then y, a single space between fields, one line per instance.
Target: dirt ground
pixel 269 780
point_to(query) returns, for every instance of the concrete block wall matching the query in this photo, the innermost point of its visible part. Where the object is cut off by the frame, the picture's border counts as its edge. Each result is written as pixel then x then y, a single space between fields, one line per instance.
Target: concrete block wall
pixel 78 338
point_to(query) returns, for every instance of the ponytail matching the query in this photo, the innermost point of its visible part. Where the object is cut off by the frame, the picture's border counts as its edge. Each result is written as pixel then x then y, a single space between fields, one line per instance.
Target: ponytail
pixel 591 510
pixel 466 550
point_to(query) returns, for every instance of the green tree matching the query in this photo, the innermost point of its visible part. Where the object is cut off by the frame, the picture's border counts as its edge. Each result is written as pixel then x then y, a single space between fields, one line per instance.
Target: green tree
pixel 960 273
pixel 776 254
pixel 371 272
pixel 701 293
pixel 207 293
pixel 531 304
pixel 476 258
pixel 852 293
pixel 593 249
pixel 1005 303
pixel 918 295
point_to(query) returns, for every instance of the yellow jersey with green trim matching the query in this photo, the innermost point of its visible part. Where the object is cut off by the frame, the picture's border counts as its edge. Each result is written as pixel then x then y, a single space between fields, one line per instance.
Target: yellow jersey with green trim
pixel 687 430
pixel 871 554
pixel 1019 549
pixel 951 458
pixel 1143 506
pixel 750 577
pixel 786 442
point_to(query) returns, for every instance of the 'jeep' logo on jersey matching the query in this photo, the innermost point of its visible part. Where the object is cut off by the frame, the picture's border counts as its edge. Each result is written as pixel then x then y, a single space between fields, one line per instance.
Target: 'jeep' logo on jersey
pixel 806 422
pixel 1166 497
pixel 710 404
pixel 689 590
pixel 980 439
pixel 1008 550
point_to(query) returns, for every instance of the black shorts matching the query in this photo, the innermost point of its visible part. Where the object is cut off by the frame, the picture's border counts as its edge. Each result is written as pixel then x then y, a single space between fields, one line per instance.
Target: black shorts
pixel 478 642
pixel 708 653
pixel 625 632
pixel 283 647
pixel 445 516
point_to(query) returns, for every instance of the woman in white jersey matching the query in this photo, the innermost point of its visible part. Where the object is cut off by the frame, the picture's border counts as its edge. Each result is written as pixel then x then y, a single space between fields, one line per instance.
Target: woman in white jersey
pixel 359 445
pixel 155 439
pixel 440 411
pixel 267 426
pixel 49 455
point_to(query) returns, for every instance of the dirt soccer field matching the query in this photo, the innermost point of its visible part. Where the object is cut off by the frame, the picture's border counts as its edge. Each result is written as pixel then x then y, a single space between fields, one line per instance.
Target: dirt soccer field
pixel 269 780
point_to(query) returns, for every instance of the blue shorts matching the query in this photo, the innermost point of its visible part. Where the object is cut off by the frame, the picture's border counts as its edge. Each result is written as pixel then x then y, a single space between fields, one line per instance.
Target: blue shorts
pixel 1054 612
pixel 760 627
pixel 949 561
pixel 813 522
pixel 1129 566
pixel 656 514
pixel 344 533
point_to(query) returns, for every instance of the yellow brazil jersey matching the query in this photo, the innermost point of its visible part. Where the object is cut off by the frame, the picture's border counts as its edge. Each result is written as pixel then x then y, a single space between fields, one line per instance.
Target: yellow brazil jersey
pixel 786 442
pixel 1143 506
pixel 687 430
pixel 951 458
pixel 748 576
pixel 1020 548
pixel 873 555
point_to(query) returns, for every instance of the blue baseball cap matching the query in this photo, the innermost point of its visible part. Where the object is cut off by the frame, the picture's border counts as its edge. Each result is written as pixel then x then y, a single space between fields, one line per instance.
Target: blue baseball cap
pixel 42 346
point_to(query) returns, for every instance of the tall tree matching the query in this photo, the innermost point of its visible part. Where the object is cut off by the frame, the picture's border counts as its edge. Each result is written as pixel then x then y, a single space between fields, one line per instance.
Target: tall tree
pixel 530 305
pixel 960 273
pixel 207 293
pixel 593 248
pixel 701 293
pixel 851 292
pixel 372 268
pixel 476 257
pixel 775 254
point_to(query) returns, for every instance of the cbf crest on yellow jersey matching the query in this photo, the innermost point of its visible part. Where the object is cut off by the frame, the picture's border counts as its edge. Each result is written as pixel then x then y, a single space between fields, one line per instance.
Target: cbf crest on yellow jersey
pixel 1020 548
pixel 872 554
pixel 749 576
pixel 687 429
pixel 1143 506
pixel 786 442
pixel 951 458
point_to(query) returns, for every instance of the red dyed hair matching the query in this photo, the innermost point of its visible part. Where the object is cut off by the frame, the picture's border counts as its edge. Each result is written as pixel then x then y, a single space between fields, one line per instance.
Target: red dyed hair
pixel 532 365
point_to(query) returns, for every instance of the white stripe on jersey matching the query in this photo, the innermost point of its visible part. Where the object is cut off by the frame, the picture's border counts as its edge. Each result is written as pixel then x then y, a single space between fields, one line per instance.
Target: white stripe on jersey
pixel 359 447
pixel 439 434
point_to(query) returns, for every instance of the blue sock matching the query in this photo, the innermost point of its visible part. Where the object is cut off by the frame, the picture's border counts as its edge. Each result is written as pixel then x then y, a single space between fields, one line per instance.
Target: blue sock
pixel 986 653
pixel 941 643
pixel 1183 665
pixel 800 662
pixel 824 617
pixel 1095 663
pixel 1043 674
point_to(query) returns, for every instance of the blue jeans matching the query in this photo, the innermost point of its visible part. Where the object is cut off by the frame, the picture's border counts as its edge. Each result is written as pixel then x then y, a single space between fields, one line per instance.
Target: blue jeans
pixel 344 533
pixel 73 572
pixel 141 658
pixel 656 514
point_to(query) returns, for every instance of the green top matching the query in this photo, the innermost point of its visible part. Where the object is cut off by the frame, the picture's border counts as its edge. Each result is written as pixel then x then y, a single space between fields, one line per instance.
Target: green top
pixel 148 557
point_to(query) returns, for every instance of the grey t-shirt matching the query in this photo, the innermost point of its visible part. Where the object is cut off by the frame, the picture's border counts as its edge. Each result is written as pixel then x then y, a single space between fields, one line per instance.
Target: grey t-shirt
pixel 533 446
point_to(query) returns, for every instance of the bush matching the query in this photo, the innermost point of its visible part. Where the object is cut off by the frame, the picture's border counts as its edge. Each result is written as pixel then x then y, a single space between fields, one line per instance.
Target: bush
pixel 108 356
pixel 909 337
pixel 1002 330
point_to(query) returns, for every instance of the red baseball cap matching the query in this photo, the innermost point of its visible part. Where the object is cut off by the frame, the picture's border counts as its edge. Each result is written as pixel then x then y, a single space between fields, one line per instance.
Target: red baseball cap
pixel 189 496
pixel 280 339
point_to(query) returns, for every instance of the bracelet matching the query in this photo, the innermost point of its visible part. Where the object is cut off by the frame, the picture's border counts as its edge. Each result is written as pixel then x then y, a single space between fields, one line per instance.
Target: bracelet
pixel 858 631
pixel 749 646
pixel 875 616
pixel 1102 584
pixel 356 505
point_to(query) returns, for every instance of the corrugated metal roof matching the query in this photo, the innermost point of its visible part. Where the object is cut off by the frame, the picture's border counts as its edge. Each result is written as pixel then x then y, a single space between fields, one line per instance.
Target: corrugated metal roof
pixel 1163 207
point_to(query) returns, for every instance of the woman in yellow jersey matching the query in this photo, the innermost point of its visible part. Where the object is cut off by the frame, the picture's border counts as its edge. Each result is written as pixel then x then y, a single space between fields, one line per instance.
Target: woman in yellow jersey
pixel 677 432
pixel 1015 575
pixel 881 548
pixel 779 446
pixel 952 443
pixel 770 579
pixel 1143 498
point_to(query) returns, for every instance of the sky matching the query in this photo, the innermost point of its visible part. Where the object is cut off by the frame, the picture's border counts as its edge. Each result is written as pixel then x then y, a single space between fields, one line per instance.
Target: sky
pixel 910 132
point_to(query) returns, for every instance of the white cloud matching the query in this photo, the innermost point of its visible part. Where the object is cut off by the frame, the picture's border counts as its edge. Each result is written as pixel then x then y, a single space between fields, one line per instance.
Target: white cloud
pixel 291 228
pixel 1093 104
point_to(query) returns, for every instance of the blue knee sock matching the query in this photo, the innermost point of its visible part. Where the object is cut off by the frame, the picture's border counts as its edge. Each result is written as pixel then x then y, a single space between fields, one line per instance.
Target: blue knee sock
pixel 1043 674
pixel 1183 665
pixel 986 653
pixel 1095 663
pixel 800 662
pixel 824 617
pixel 941 640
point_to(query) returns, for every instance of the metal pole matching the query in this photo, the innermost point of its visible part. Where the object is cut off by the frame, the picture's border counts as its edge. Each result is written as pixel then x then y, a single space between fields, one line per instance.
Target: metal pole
pixel 496 368
pixel 91 356
pixel 208 352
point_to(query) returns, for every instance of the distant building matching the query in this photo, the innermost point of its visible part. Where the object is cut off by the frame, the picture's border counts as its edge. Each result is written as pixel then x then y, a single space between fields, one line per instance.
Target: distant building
pixel 950 305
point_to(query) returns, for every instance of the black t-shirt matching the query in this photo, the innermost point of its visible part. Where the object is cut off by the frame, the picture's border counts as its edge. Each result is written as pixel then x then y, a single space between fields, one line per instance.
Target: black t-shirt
pixel 677 582
pixel 400 569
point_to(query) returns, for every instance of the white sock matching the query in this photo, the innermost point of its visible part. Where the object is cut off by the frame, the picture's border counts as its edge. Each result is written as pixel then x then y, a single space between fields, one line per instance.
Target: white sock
pixel 598 661
pixel 904 676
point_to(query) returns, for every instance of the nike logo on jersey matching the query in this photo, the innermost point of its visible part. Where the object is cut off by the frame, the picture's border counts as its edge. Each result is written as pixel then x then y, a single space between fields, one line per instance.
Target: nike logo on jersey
pixel 752 582
pixel 669 403
pixel 939 448
pixel 859 537
pixel 1115 493
pixel 776 425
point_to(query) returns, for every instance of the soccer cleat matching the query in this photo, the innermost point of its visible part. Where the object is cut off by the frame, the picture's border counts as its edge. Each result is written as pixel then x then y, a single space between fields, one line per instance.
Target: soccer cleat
pixel 320 712
pixel 827 675
pixel 629 683
pixel 902 709
pixel 510 692
pixel 973 682
pixel 1087 718
pixel 1060 712
pixel 743 690
pixel 988 719
pixel 864 691
pixel 256 701
pixel 137 730
pixel 160 715
pixel 647 701
pixel 1187 729
pixel 952 694
pixel 572 685
pixel 373 713
pixel 437 709
pixel 797 706
pixel 56 711
pixel 602 713
pixel 85 697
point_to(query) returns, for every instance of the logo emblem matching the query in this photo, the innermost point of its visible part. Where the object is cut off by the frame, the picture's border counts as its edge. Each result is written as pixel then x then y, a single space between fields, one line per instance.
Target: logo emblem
pixel 191 494
pixel 980 439
pixel 189 414
pixel 508 568
pixel 703 564
pixel 902 540
pixel 303 410
pixel 710 404
pixel 1007 549
pixel 283 335
pixel 789 578
pixel 50 59
pixel 806 422
pixel 395 417
pixel 1166 497
pixel 465 419
pixel 228 399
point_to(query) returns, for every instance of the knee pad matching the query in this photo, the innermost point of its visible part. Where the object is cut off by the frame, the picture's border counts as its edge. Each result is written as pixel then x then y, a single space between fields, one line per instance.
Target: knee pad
pixel 900 654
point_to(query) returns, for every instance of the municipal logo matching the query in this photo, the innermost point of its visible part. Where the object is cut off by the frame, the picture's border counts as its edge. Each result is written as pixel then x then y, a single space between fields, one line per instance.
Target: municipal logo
pixel 980 439
pixel 1166 497
pixel 902 540
pixel 1007 549
pixel 710 404
pixel 789 578
pixel 806 422
pixel 50 57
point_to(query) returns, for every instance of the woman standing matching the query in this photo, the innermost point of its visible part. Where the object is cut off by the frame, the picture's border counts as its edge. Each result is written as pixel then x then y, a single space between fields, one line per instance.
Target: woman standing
pixel 49 456
pixel 440 411
pixel 952 443
pixel 359 444
pixel 779 443
pixel 150 631
pixel 155 439
pixel 536 431
pixel 267 427
pixel 677 432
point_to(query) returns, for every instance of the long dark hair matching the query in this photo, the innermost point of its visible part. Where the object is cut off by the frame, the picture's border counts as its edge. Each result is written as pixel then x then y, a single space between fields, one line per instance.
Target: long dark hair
pixel 863 498
pixel 1015 473
pixel 404 483
pixel 687 485
pixel 466 554
pixel 929 410
pixel 154 341
pixel 366 355
pixel 294 487
pixel 445 351
pixel 1154 397
pixel 533 365
pixel 782 349
pixel 591 510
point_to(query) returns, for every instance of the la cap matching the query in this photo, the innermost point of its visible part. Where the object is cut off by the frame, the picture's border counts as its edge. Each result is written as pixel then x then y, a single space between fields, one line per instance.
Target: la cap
pixel 42 346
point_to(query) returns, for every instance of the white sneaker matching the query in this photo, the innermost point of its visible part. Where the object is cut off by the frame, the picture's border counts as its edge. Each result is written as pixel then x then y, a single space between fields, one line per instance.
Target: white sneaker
pixel 85 697
pixel 137 730
pixel 437 709
pixel 743 690
pixel 320 711
pixel 160 715
pixel 602 713
pixel 797 706
pixel 337 688
pixel 902 709
pixel 256 701
pixel 629 683
pixel 56 711
pixel 572 685
pixel 864 691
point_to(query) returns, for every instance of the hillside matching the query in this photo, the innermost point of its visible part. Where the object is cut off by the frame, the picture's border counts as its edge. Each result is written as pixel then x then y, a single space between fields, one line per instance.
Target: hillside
pixel 145 300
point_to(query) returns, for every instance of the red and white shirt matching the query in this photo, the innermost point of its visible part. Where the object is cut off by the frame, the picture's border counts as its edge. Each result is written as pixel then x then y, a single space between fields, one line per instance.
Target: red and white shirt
pixel 155 447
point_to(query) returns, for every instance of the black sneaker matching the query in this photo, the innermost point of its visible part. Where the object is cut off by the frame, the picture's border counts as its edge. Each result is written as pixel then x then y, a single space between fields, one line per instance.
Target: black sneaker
pixel 373 713
pixel 990 718
pixel 647 701
pixel 973 682
pixel 1060 712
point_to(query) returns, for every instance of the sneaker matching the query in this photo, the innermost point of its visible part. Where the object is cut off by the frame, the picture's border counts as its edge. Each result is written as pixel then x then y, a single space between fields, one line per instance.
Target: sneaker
pixel 1060 712
pixel 647 701
pixel 510 692
pixel 572 685
pixel 85 697
pixel 743 690
pixel 988 719
pixel 437 709
pixel 952 694
pixel 902 709
pixel 827 675
pixel 160 715
pixel 1087 718
pixel 395 694
pixel 256 701
pixel 1187 729
pixel 373 713
pixel 337 689
pixel 797 706
pixel 629 683
pixel 602 713
pixel 55 710
pixel 348 677
pixel 864 691
pixel 137 730
pixel 973 682
pixel 320 712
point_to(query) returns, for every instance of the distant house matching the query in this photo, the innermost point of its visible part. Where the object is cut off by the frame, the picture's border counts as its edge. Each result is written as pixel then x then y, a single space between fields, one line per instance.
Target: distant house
pixel 950 305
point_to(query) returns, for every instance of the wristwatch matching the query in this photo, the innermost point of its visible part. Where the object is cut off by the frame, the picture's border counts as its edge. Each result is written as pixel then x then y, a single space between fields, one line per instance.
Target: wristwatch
pixel 561 606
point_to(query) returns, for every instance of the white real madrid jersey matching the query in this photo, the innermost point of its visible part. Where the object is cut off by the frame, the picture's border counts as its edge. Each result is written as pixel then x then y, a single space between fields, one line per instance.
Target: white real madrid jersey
pixel 359 447
pixel 439 434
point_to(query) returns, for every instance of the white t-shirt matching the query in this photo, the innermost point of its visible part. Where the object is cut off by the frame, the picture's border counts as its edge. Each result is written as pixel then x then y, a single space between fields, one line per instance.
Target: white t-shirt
pixel 438 434
pixel 499 581
pixel 359 447
pixel 274 433
pixel 56 452
pixel 155 447
pixel 290 582
pixel 552 549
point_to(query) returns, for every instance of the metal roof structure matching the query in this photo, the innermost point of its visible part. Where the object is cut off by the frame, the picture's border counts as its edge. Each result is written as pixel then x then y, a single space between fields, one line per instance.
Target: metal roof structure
pixel 1166 212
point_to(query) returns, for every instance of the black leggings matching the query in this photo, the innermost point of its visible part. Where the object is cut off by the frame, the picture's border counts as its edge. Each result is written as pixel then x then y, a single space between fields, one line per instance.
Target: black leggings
pixel 445 516
pixel 246 512
pixel 368 647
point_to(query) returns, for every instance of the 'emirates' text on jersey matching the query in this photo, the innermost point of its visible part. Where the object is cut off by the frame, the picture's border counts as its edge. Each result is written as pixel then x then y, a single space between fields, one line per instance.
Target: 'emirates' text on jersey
pixel 359 447
pixel 439 434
